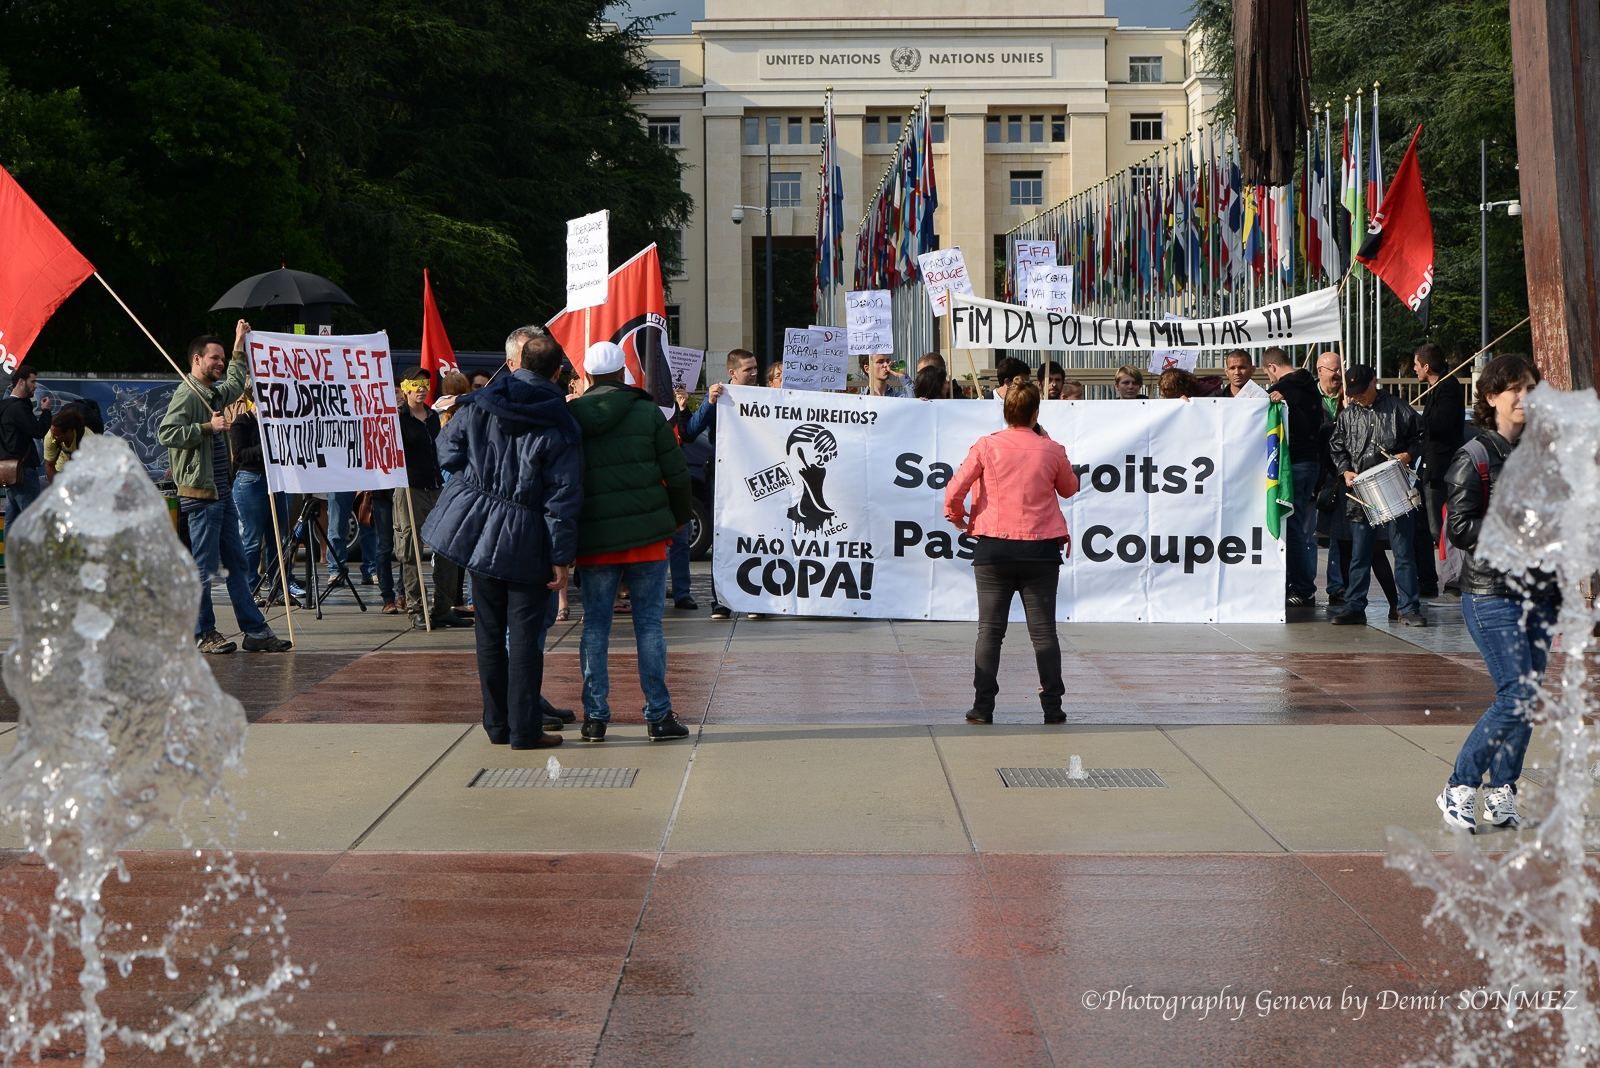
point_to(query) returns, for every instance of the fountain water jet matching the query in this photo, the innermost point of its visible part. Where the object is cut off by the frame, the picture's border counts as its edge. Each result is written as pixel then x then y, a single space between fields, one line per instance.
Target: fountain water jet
pixel 1525 911
pixel 121 723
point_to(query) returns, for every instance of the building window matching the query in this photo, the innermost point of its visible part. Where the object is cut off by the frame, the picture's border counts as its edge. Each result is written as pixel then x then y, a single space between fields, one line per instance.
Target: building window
pixel 1058 128
pixel 668 73
pixel 892 128
pixel 936 125
pixel 1144 127
pixel 1036 129
pixel 752 131
pixel 819 130
pixel 1027 187
pixel 1144 68
pixel 786 189
pixel 1014 128
pixel 796 130
pixel 674 324
pixel 665 131
pixel 774 130
pixel 871 131
pixel 991 130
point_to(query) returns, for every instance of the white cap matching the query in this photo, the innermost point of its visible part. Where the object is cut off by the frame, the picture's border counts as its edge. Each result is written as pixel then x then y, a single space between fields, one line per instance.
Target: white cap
pixel 603 358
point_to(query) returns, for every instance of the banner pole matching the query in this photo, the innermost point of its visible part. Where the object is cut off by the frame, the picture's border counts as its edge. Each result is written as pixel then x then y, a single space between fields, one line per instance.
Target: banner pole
pixel 1474 356
pixel 181 373
pixel 283 570
pixel 416 545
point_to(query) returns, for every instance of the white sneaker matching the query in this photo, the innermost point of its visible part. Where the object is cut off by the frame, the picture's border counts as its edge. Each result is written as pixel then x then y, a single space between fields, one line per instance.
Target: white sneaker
pixel 1500 806
pixel 1457 804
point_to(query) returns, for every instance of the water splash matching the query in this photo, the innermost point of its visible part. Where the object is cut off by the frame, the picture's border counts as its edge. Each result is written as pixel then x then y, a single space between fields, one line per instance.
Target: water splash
pixel 121 724
pixel 1524 911
pixel 552 768
pixel 1075 768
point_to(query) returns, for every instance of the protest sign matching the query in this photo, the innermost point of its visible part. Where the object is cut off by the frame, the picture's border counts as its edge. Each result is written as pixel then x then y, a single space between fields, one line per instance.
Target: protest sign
pixel 943 270
pixel 835 360
pixel 869 321
pixel 327 409
pixel 834 506
pixel 802 358
pixel 588 259
pixel 1049 288
pixel 685 365
pixel 1165 359
pixel 1309 319
pixel 1031 254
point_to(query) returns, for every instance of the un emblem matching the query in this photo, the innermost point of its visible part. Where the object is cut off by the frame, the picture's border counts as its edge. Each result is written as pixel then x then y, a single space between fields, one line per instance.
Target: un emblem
pixel 905 60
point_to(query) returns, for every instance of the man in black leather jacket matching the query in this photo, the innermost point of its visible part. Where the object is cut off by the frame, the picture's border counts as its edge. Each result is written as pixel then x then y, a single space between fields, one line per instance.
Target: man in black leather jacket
pixel 1372 428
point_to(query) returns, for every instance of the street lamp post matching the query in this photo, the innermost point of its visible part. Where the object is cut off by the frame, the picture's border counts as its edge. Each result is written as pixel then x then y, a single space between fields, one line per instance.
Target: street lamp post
pixel 1485 206
pixel 738 218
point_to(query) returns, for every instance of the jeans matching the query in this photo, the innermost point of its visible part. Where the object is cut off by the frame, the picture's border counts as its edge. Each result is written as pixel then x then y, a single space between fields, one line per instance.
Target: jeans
pixel 996 585
pixel 21 495
pixel 510 660
pixel 383 537
pixel 678 559
pixel 1300 539
pixel 214 540
pixel 1514 650
pixel 1363 538
pixel 255 524
pixel 340 507
pixel 647 586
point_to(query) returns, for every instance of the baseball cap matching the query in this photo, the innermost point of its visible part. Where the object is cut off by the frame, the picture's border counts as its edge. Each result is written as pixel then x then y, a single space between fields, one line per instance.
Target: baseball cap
pixel 1358 377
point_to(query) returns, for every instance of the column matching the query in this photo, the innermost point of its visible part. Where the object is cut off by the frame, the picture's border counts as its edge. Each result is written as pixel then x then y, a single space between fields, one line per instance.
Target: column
pixel 726 285
pixel 969 225
pixel 847 120
pixel 1086 142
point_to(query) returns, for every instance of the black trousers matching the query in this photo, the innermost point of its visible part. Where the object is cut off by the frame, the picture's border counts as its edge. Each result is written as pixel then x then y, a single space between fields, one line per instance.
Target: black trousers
pixel 510 678
pixel 997 584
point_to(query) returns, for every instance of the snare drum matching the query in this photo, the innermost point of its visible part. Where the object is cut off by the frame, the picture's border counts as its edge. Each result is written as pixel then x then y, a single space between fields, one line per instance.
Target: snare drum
pixel 1386 491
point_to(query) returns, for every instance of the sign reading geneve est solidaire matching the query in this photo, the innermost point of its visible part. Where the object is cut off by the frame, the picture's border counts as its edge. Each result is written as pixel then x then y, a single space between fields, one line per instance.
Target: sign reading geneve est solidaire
pixel 917 60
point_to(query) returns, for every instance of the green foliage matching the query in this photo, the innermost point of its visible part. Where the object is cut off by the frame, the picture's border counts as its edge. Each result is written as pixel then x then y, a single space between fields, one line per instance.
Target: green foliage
pixel 1447 66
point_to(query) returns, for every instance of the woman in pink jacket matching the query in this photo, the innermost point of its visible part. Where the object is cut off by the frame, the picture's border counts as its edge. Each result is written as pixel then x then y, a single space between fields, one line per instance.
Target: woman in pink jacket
pixel 1015 477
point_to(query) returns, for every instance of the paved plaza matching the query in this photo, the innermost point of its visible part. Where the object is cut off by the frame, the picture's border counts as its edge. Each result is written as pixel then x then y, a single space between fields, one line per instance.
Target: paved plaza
pixel 832 869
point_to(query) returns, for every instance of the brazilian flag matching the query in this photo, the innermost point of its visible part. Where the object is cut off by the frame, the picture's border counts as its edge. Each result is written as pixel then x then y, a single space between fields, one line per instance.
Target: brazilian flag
pixel 1280 478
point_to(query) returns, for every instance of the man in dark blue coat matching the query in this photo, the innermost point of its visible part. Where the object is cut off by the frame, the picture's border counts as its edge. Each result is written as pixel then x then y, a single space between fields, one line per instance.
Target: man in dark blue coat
pixel 509 515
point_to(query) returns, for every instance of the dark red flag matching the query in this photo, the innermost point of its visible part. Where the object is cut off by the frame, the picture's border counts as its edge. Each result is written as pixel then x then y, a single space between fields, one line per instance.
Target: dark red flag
pixel 438 358
pixel 633 316
pixel 39 269
pixel 1399 244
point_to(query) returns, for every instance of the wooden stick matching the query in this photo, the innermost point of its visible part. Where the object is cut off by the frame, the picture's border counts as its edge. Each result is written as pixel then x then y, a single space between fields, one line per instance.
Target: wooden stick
pixel 416 544
pixel 1469 359
pixel 283 570
pixel 181 373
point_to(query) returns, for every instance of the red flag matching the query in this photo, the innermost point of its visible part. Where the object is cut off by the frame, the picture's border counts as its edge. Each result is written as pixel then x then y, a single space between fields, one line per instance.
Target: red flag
pixel 1399 245
pixel 634 316
pixel 39 269
pixel 438 358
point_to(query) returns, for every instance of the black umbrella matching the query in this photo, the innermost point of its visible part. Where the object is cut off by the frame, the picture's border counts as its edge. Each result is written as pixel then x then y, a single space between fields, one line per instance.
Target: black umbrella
pixel 282 288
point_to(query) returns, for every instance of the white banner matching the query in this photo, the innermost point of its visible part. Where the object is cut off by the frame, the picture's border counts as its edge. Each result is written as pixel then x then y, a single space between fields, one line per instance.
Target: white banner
pixel 588 260
pixel 1309 319
pixel 834 506
pixel 327 411
pixel 943 270
pixel 870 322
pixel 1049 289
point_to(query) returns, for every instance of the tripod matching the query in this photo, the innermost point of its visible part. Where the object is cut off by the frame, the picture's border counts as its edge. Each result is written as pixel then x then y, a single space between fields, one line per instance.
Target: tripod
pixel 303 531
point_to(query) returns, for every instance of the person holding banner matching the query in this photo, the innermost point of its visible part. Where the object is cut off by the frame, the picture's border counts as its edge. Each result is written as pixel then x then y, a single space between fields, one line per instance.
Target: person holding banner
pixel 881 379
pixel 1015 476
pixel 742 371
pixel 196 438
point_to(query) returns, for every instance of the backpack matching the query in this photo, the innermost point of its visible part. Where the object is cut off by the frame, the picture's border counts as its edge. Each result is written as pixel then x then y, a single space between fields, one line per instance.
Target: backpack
pixel 89 408
pixel 1479 453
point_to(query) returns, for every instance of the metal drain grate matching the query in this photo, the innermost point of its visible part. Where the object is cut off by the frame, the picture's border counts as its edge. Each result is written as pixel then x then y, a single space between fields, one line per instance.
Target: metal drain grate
pixel 1094 778
pixel 570 778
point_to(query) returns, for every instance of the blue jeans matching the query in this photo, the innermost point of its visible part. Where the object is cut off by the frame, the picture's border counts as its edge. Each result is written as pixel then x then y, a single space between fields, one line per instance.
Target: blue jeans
pixel 1514 650
pixel 340 507
pixel 255 524
pixel 21 495
pixel 214 539
pixel 383 540
pixel 678 559
pixel 647 588
pixel 1300 538
pixel 1363 537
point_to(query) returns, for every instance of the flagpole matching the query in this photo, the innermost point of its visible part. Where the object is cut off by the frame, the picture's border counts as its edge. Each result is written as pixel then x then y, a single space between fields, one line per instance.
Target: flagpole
pixel 1377 290
pixel 181 373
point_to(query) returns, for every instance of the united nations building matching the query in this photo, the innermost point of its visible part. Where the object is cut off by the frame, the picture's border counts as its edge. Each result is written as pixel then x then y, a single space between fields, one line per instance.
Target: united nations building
pixel 1030 101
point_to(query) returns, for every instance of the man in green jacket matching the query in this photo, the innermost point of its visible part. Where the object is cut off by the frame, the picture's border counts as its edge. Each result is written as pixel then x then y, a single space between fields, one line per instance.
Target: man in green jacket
pixel 636 494
pixel 196 437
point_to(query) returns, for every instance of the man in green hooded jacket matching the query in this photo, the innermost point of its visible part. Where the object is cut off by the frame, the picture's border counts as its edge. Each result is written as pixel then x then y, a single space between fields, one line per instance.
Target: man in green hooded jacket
pixel 636 494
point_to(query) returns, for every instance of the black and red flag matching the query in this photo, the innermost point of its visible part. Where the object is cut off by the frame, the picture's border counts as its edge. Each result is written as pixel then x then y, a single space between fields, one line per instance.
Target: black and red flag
pixel 1399 243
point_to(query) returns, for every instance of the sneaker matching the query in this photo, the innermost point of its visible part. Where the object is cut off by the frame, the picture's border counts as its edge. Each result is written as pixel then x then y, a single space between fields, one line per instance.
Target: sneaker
pixel 418 623
pixel 565 715
pixel 1500 806
pixel 666 728
pixel 270 644
pixel 756 615
pixel 1297 600
pixel 213 642
pixel 1349 619
pixel 1457 803
pixel 552 724
pixel 335 581
pixel 1414 619
pixel 594 730
pixel 390 608
pixel 295 589
pixel 686 604
pixel 369 580
pixel 720 611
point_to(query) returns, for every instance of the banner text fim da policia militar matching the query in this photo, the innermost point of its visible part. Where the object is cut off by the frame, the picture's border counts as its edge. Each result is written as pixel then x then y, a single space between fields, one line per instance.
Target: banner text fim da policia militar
pixel 833 505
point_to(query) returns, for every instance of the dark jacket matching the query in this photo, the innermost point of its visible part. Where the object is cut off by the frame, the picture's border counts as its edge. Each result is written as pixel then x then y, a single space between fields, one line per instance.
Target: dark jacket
pixel 636 487
pixel 515 455
pixel 246 436
pixel 1363 435
pixel 1299 392
pixel 19 428
pixel 1464 521
pixel 422 461
pixel 1443 426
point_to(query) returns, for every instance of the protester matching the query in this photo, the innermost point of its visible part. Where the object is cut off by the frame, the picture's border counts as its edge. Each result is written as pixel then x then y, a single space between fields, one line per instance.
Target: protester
pixel 933 359
pixel 1175 382
pixel 383 561
pixel 509 517
pixel 1372 428
pixel 1072 389
pixel 1332 526
pixel 1129 383
pixel 1240 370
pixel 775 376
pixel 453 385
pixel 637 492
pixel 931 383
pixel 742 371
pixel 1443 432
pixel 195 435
pixel 66 434
pixel 419 427
pixel 881 378
pixel 1055 379
pixel 1010 371
pixel 1015 476
pixel 1510 617
pixel 19 428
pixel 1298 391
pixel 250 498
pixel 479 380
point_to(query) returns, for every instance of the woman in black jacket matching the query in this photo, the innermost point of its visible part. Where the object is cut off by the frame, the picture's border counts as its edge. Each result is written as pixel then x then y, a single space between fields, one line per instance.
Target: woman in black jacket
pixel 1509 616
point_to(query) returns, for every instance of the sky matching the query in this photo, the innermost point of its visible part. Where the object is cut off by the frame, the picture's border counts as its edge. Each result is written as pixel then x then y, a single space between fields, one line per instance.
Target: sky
pixel 1172 13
